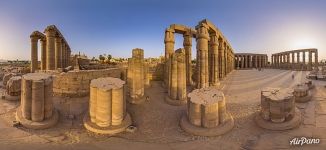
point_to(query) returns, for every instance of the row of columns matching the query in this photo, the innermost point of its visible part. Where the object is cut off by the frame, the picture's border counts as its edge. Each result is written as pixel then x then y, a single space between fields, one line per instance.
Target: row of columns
pixel 286 60
pixel 243 61
pixel 55 51
pixel 214 58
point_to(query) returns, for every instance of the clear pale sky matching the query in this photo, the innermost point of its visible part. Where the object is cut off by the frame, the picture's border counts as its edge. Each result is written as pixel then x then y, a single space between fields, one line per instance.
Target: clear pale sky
pixel 116 27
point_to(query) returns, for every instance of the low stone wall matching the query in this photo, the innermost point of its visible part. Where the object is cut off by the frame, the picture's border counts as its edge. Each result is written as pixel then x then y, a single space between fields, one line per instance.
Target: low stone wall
pixel 77 83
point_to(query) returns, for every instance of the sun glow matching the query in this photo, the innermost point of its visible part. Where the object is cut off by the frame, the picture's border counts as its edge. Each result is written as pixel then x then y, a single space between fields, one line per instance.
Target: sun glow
pixel 304 43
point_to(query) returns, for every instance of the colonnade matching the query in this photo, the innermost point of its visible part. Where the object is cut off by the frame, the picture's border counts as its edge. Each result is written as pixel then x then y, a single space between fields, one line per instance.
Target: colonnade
pixel 214 58
pixel 249 60
pixel 295 59
pixel 55 51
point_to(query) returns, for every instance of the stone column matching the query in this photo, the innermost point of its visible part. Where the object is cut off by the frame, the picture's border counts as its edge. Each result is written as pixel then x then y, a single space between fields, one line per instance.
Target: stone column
pixel 146 75
pixel 177 88
pixel 310 60
pixel 214 64
pixel 292 63
pixel 287 60
pixel 304 60
pixel 136 76
pixel 316 58
pixel 237 61
pixel 221 58
pixel 225 61
pixel 34 57
pixel 107 107
pixel 187 43
pixel 58 52
pixel 36 110
pixel 298 61
pixel 242 61
pixel 50 51
pixel 278 110
pixel 43 54
pixel 250 61
pixel 206 113
pixel 169 49
pixel 202 59
pixel 68 57
pixel 63 51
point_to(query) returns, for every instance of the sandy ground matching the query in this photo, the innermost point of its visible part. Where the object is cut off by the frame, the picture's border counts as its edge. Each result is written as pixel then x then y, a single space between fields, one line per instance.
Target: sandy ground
pixel 158 122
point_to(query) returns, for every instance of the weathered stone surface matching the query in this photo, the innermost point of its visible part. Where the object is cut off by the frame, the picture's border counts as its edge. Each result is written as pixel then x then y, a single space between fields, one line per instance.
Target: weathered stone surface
pixel 6 78
pixel 77 83
pixel 36 111
pixel 14 86
pixel 136 76
pixel 207 114
pixel 107 108
pixel 278 111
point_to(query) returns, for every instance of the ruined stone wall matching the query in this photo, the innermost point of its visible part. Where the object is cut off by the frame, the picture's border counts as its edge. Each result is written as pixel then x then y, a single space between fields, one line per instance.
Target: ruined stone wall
pixel 77 83
pixel 155 72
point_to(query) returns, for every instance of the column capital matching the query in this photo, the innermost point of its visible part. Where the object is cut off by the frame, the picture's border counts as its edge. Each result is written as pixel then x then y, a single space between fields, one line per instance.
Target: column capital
pixel 169 36
pixel 50 31
pixel 187 39
pixel 202 32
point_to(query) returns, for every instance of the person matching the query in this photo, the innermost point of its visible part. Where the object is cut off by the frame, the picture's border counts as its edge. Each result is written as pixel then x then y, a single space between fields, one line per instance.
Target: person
pixel 292 76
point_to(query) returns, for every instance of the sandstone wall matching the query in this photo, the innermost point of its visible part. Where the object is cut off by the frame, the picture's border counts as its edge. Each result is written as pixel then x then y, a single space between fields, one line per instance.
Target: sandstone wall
pixel 77 83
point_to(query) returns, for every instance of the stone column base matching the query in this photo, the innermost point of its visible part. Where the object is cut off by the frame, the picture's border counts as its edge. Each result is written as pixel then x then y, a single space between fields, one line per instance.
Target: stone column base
pixel 37 125
pixel 294 122
pixel 175 102
pixel 303 99
pixel 11 98
pixel 106 130
pixel 200 131
pixel 136 101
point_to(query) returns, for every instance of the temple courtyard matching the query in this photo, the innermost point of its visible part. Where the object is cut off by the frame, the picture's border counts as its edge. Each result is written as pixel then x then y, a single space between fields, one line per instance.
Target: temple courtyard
pixel 157 122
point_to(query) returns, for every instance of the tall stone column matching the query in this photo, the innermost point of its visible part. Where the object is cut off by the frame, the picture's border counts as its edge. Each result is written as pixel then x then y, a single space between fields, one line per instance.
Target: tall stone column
pixel 316 58
pixel 187 43
pixel 213 55
pixel 226 61
pixel 50 51
pixel 107 107
pixel 177 88
pixel 136 76
pixel 34 63
pixel 242 61
pixel 304 60
pixel 202 59
pixel 68 57
pixel 63 50
pixel 58 52
pixel 250 61
pixel 298 61
pixel 292 63
pixel 43 54
pixel 287 60
pixel 310 60
pixel 169 50
pixel 221 58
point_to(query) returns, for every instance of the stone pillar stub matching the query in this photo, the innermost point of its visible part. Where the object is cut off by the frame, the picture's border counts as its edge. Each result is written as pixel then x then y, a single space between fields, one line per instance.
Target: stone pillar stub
pixel 107 114
pixel 207 115
pixel 278 110
pixel 36 102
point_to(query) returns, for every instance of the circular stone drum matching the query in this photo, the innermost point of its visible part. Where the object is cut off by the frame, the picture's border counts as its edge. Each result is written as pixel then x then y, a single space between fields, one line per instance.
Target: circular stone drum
pixel 13 88
pixel 36 110
pixel 278 111
pixel 207 115
pixel 107 107
pixel 310 85
pixel 301 93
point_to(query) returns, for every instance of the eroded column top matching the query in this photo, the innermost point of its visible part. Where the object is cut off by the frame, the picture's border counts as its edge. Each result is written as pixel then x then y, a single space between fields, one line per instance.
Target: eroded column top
pixel 107 83
pixel 36 76
pixel 206 96
pixel 301 88
pixel 277 94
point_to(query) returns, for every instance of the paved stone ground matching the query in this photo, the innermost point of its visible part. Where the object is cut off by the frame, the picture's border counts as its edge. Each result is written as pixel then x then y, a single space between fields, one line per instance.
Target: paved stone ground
pixel 158 127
